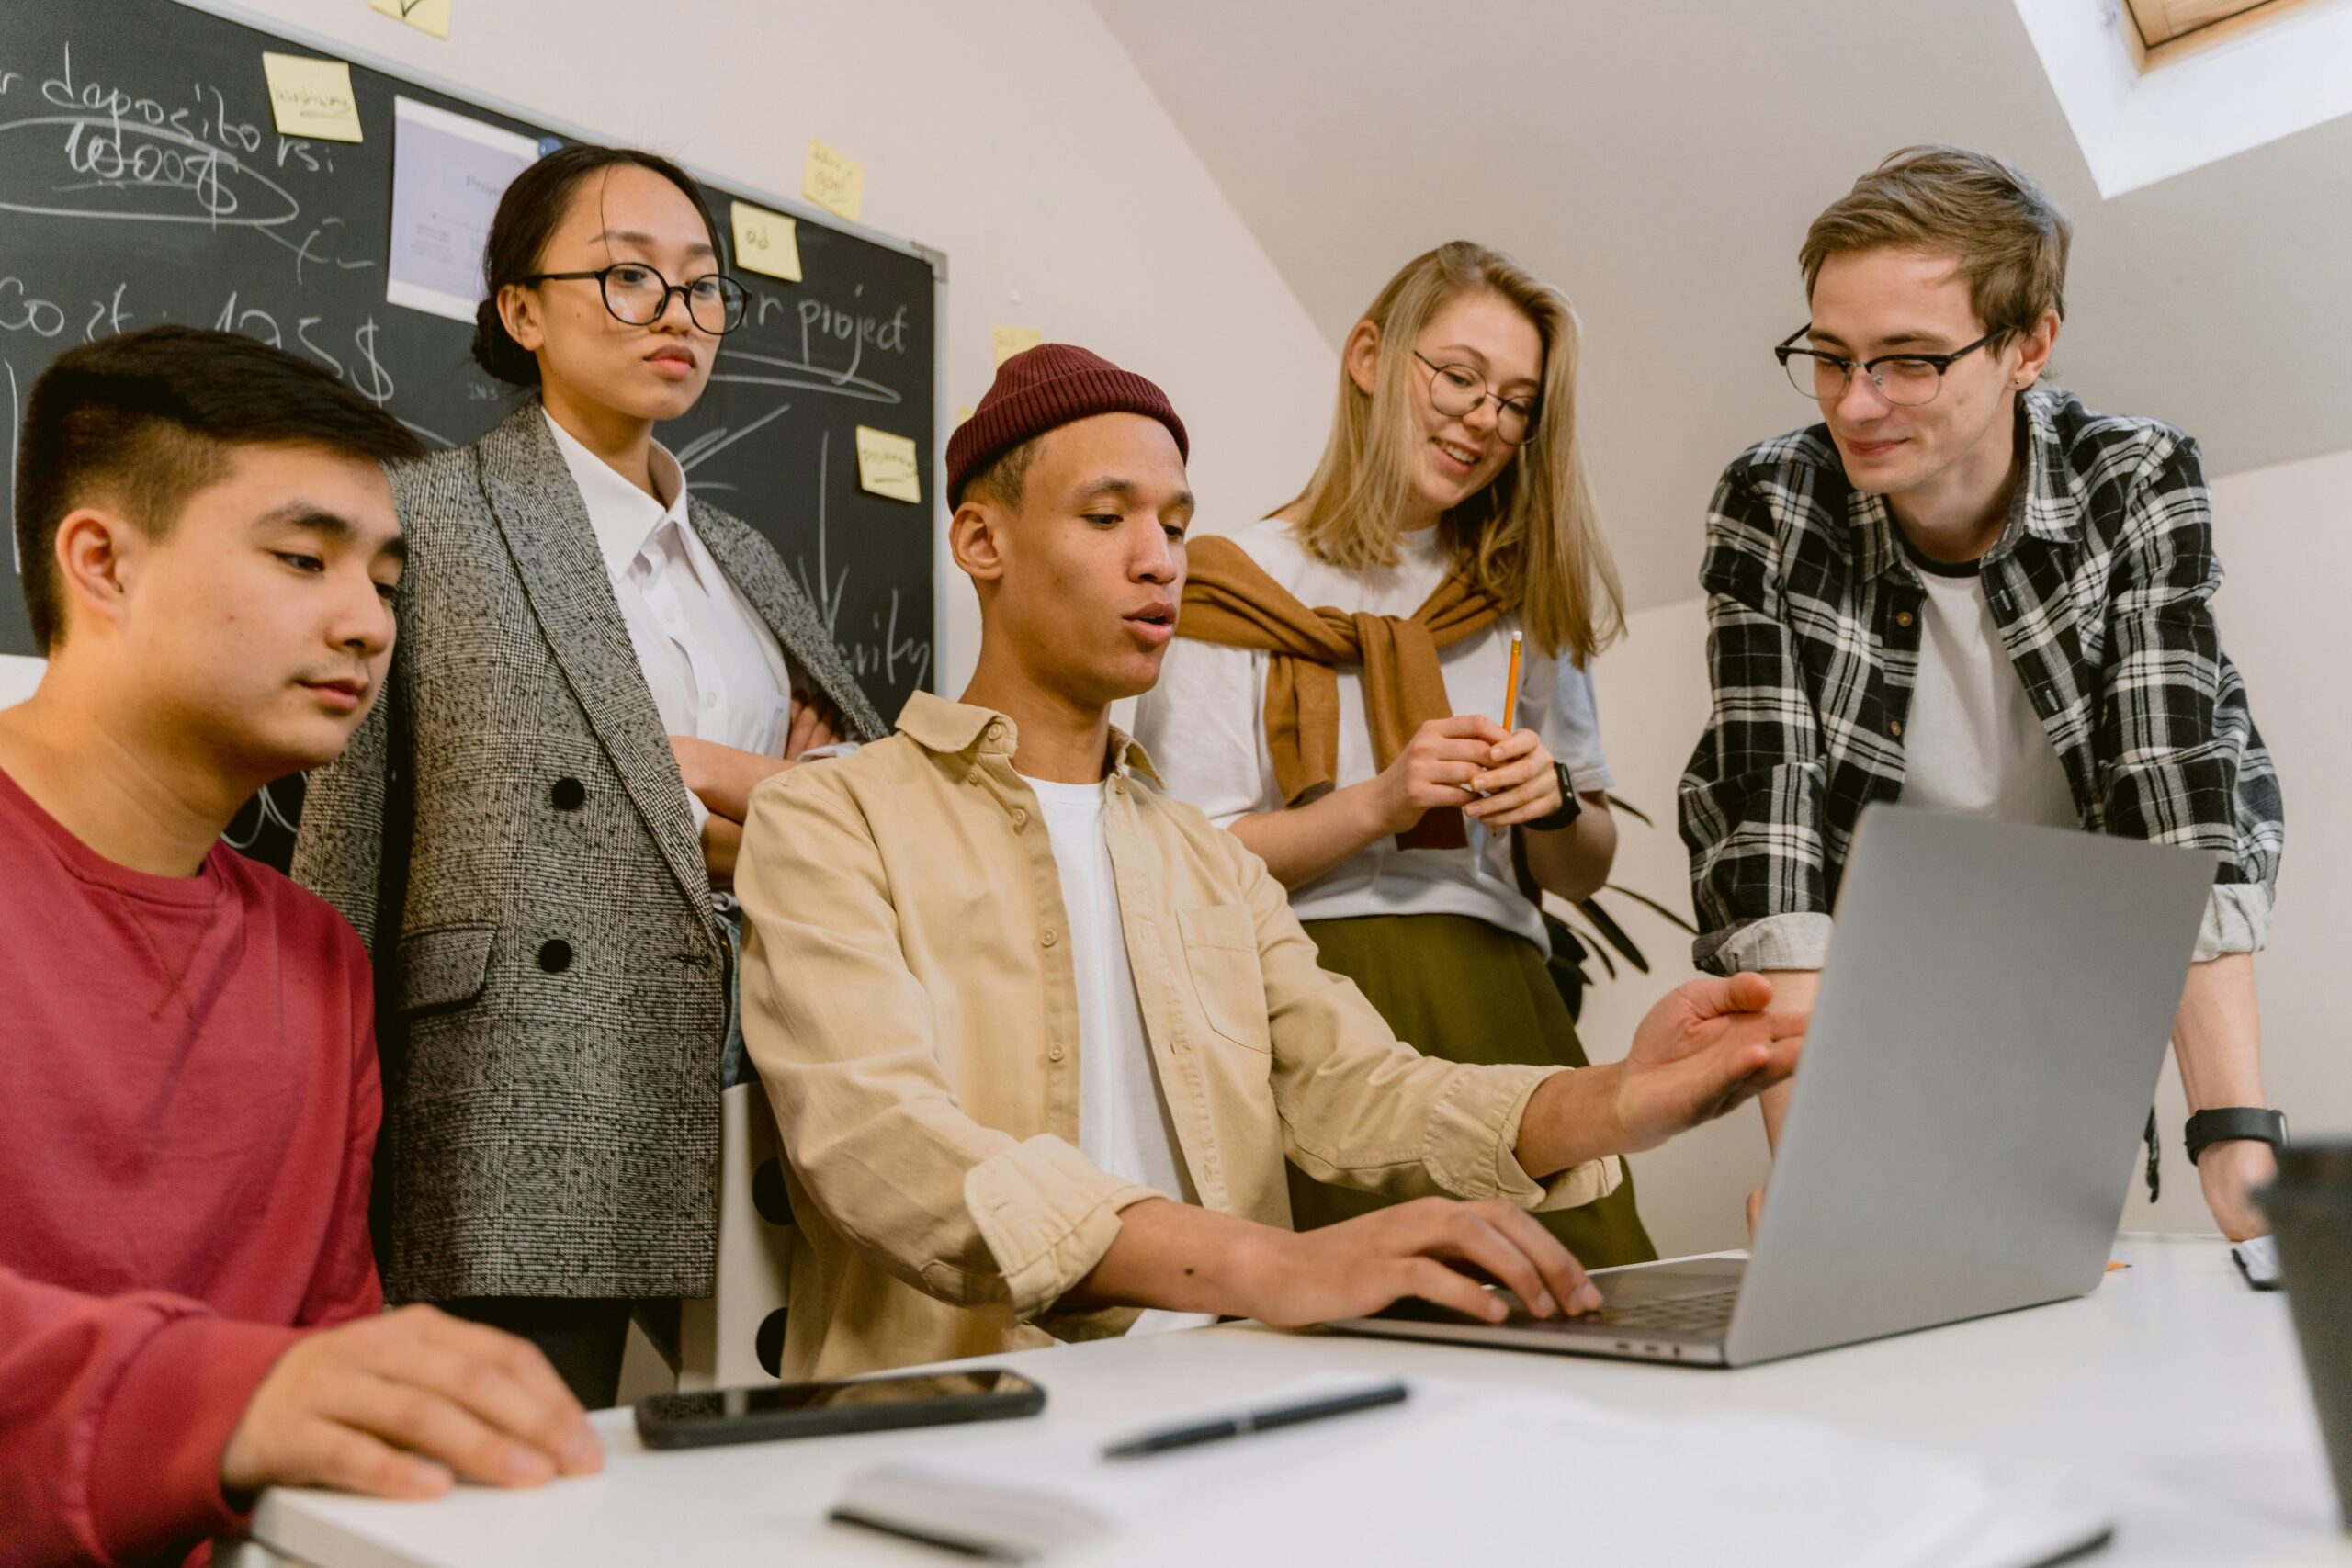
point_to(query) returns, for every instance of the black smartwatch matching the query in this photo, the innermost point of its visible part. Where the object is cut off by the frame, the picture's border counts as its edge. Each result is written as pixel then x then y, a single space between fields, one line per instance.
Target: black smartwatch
pixel 2231 1124
pixel 1570 806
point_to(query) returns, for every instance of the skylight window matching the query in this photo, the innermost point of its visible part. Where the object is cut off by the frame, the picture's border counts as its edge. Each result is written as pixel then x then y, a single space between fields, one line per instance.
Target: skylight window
pixel 2155 88
pixel 2170 28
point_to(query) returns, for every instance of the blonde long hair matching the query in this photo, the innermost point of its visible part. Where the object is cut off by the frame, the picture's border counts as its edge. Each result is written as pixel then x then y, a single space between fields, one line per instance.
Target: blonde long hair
pixel 1532 537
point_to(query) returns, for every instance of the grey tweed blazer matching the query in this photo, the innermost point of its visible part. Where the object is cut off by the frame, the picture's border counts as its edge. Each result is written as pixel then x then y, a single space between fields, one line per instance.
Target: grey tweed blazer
pixel 510 835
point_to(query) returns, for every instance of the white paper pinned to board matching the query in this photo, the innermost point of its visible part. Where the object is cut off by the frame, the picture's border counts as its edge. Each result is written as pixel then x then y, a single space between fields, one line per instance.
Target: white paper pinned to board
pixel 448 173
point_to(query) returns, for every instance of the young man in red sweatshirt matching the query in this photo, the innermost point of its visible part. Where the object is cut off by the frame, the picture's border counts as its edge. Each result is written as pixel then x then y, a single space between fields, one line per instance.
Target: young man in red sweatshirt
pixel 188 1305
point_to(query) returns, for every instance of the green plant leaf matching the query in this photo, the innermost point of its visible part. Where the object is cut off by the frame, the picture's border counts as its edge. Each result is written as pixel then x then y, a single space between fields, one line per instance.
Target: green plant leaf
pixel 1659 908
pixel 1596 949
pixel 1620 803
pixel 1613 933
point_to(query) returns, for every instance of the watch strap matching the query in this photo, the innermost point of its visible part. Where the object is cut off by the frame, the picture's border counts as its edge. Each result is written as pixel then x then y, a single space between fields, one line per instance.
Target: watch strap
pixel 2232 1124
pixel 1570 808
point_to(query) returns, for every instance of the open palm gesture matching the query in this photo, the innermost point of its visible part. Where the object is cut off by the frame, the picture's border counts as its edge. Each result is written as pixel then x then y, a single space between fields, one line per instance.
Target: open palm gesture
pixel 1706 1047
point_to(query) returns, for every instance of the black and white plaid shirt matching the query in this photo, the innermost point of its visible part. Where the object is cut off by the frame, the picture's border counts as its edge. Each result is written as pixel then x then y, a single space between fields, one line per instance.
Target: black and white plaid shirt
pixel 2099 585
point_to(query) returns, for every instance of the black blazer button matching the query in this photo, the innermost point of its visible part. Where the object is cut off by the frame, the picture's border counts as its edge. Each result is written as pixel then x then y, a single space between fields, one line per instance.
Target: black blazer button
pixel 568 794
pixel 555 957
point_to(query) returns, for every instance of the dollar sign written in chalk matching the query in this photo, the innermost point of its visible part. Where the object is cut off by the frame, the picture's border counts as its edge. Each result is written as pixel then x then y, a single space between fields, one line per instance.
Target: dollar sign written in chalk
pixel 370 377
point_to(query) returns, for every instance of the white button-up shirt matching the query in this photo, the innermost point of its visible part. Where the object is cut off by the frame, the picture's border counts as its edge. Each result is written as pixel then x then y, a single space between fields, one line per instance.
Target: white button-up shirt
pixel 716 672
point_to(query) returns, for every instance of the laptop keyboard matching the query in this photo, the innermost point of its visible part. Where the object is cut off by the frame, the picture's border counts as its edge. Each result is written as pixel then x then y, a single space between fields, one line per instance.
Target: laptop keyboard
pixel 1708 1311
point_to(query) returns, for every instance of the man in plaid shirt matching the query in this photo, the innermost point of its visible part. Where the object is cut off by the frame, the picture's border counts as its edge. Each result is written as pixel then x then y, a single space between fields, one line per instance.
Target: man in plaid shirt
pixel 1967 590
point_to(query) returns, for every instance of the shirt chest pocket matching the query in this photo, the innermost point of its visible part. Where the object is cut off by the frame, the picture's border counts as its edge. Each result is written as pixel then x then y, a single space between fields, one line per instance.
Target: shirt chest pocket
pixel 1221 959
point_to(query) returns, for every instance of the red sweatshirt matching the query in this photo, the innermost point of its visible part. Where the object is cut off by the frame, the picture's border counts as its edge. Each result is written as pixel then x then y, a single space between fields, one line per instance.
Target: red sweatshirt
pixel 187 1115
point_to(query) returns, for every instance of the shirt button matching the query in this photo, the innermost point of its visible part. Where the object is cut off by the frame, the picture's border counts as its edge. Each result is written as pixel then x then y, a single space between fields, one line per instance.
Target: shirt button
pixel 1894 727
pixel 1020 818
pixel 996 729
pixel 1054 1055
pixel 710 699
pixel 568 794
pixel 1118 787
pixel 972 777
pixel 1050 937
pixel 555 957
pixel 1904 619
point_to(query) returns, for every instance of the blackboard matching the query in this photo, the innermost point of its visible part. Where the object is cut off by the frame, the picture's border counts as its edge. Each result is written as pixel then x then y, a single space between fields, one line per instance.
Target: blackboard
pixel 142 180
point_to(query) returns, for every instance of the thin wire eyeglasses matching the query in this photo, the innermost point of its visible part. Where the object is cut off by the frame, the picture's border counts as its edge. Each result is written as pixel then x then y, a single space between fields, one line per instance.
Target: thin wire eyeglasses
pixel 1456 390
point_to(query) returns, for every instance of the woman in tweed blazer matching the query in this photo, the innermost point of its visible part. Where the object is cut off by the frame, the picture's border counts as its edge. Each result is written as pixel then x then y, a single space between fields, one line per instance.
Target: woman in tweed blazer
pixel 515 831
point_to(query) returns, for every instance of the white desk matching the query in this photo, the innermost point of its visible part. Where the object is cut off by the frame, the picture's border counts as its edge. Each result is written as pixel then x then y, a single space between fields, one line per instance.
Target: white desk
pixel 2174 1388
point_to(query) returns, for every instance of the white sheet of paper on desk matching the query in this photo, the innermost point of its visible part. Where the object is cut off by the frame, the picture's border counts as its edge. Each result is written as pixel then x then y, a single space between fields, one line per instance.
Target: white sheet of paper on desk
pixel 1465 1473
pixel 447 175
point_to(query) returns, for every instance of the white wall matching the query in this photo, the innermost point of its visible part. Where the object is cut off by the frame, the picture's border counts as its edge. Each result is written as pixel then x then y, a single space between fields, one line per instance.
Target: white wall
pixel 2283 540
pixel 19 676
pixel 1015 135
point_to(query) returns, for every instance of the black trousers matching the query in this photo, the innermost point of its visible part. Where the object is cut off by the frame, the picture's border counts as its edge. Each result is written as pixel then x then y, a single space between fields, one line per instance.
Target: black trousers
pixel 582 1339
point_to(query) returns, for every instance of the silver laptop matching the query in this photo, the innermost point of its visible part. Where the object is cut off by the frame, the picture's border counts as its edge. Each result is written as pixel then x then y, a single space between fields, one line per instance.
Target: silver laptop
pixel 1962 1134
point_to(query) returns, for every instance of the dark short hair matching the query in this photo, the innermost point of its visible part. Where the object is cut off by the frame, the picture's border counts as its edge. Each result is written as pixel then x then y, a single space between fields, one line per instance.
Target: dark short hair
pixel 528 215
pixel 147 419
pixel 1001 478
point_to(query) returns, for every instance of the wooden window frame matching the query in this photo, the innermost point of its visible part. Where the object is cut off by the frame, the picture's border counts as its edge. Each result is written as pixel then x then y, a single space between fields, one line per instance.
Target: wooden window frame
pixel 2155 41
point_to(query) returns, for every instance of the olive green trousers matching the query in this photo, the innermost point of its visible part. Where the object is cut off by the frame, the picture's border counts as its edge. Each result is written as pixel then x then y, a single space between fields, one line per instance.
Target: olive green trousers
pixel 1467 991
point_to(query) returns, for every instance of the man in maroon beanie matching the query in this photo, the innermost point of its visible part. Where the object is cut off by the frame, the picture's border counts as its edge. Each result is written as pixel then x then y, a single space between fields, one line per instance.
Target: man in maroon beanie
pixel 1039 1038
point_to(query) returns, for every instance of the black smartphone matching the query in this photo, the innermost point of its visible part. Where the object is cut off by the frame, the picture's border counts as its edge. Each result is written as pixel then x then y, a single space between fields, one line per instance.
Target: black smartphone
pixel 820 1409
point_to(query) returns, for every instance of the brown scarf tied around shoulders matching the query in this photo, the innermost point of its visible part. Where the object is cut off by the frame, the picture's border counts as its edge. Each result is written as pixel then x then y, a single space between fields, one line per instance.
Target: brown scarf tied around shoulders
pixel 1229 599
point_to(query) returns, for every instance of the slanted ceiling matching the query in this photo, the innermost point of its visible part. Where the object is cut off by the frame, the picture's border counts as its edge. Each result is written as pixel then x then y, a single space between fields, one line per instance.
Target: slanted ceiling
pixel 1659 160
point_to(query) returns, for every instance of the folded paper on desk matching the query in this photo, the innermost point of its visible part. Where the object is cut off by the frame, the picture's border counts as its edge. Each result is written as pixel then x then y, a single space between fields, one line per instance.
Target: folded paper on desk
pixel 1465 1473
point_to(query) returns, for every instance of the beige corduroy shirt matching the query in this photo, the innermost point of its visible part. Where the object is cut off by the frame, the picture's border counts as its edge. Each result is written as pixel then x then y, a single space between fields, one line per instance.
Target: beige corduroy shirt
pixel 910 1000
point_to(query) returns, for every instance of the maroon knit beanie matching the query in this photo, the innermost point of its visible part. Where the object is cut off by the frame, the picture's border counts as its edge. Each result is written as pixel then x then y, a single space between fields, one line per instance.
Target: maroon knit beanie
pixel 1043 388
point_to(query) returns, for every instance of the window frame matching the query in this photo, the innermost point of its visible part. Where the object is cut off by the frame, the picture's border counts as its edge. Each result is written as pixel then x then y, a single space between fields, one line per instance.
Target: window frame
pixel 2157 40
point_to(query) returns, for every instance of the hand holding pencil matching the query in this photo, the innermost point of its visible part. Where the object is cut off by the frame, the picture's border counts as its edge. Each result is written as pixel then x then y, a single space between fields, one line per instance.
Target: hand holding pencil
pixel 1519 782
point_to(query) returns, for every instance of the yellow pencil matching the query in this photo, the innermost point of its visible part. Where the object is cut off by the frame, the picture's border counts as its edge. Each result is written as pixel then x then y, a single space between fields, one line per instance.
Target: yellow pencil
pixel 1511 692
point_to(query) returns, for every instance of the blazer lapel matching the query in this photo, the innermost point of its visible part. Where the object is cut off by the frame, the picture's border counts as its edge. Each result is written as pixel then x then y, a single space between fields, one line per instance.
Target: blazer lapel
pixel 546 527
pixel 758 573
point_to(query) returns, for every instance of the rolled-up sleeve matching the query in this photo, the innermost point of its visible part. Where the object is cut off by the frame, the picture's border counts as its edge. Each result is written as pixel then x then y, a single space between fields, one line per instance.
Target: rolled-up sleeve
pixel 842 1033
pixel 1362 1109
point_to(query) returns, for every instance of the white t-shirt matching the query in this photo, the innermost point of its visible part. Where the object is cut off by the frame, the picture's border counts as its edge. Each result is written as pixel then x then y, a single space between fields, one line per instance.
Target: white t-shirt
pixel 1124 1127
pixel 1973 742
pixel 1205 726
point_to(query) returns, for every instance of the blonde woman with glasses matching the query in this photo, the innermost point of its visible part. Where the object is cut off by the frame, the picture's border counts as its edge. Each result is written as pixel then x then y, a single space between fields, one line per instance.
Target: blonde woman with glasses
pixel 1340 666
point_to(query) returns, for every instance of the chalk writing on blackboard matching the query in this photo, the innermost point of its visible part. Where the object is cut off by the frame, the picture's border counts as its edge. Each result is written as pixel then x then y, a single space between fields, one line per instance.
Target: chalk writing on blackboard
pixel 143 180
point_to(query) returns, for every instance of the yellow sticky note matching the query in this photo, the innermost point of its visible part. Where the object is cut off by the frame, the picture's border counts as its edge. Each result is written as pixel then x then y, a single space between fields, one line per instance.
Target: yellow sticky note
pixel 766 241
pixel 834 180
pixel 311 98
pixel 885 465
pixel 1010 341
pixel 424 16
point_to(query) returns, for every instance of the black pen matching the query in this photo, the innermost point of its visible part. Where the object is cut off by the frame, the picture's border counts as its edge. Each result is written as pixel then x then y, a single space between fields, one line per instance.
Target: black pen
pixel 1256 1421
